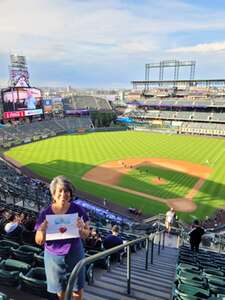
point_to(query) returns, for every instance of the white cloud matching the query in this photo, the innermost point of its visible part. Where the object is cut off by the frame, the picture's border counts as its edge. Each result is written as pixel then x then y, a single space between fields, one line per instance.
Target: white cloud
pixel 200 48
pixel 66 30
pixel 73 33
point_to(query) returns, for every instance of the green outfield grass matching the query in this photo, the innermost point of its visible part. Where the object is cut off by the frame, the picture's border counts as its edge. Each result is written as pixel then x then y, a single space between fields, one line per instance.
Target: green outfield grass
pixel 141 180
pixel 73 155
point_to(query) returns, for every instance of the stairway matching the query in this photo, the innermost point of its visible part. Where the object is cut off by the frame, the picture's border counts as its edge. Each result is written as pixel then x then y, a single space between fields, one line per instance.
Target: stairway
pixel 154 284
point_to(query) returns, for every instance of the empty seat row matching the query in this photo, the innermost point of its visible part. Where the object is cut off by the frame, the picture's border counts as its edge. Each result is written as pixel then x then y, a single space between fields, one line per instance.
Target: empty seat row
pixel 199 275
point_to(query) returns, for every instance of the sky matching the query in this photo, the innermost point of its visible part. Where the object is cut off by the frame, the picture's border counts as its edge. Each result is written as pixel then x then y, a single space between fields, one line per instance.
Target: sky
pixel 106 44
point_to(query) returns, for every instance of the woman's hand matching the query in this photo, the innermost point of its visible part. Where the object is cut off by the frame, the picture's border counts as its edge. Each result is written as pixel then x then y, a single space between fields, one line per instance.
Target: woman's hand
pixel 41 233
pixel 80 224
pixel 83 228
pixel 43 226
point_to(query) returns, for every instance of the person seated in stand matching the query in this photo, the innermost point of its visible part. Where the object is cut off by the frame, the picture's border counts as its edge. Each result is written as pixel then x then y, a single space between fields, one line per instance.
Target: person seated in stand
pixel 13 229
pixel 113 240
pixel 4 220
pixel 132 210
pixel 94 240
pixel 98 241
pixel 139 212
pixel 23 218
pixel 28 233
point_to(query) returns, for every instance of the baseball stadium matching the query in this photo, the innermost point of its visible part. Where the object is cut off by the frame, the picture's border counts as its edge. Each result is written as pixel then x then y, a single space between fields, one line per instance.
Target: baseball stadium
pixel 160 150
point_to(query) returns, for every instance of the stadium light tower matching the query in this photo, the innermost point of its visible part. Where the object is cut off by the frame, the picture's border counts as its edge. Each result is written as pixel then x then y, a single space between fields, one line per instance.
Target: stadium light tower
pixel 175 64
pixel 18 71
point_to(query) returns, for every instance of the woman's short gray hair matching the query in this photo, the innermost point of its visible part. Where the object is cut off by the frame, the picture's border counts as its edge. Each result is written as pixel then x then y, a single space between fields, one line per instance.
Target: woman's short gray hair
pixel 63 182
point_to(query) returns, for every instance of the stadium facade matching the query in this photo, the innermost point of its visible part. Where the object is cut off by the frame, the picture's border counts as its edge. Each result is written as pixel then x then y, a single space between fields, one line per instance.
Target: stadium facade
pixel 189 106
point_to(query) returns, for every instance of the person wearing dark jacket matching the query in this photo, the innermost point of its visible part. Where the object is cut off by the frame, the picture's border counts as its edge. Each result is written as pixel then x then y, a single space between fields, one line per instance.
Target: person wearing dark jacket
pixel 113 240
pixel 196 236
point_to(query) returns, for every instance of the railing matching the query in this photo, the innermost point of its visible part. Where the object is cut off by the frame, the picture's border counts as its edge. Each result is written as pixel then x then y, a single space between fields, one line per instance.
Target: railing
pixel 216 243
pixel 159 221
pixel 85 261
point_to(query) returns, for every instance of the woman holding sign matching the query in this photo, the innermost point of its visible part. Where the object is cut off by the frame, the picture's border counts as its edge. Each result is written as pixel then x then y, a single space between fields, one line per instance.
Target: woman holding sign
pixel 61 226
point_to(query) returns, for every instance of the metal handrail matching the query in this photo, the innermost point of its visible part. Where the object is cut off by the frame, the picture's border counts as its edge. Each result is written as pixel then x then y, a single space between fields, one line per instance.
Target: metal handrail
pixel 154 218
pixel 184 237
pixel 160 221
pixel 85 261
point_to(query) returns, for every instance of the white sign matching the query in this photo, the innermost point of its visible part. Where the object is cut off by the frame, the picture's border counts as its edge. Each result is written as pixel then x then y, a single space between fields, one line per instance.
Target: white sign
pixel 62 227
pixel 33 112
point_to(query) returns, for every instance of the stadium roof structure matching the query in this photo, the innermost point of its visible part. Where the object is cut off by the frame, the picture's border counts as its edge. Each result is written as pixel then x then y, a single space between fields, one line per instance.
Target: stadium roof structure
pixel 176 83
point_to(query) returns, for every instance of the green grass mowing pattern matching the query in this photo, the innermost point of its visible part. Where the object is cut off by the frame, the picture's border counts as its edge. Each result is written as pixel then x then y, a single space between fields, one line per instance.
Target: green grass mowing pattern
pixel 177 184
pixel 74 155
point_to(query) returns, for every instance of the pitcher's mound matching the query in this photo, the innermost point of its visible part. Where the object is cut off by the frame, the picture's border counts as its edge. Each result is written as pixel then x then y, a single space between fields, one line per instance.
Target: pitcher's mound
pixel 159 181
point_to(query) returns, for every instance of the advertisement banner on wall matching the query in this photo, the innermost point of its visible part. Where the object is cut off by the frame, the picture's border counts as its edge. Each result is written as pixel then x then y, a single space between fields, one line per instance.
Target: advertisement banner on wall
pixel 33 112
pixel 22 114
pixel 77 112
pixel 13 114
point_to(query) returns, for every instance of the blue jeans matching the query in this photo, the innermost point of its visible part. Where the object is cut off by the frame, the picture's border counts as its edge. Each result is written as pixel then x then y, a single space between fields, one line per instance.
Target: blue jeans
pixel 58 266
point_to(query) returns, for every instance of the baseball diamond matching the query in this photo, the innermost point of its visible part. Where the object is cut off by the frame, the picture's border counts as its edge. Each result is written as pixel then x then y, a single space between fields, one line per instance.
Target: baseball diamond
pixel 149 171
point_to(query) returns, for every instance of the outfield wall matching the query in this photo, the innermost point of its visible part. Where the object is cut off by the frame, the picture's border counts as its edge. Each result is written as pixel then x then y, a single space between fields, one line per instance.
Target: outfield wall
pixel 36 138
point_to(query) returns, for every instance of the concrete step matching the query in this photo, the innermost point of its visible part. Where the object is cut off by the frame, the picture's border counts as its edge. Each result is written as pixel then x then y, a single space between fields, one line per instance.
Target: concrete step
pixel 137 284
pixel 145 279
pixel 146 274
pixel 118 292
pixel 154 284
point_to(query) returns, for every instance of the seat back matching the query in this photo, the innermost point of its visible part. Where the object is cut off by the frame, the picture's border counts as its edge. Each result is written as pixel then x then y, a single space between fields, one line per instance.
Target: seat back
pixel 15 265
pixel 24 256
pixel 35 282
pixel 39 259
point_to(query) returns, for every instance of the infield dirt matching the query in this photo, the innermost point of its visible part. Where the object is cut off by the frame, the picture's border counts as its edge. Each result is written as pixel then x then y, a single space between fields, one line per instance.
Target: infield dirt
pixel 109 174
